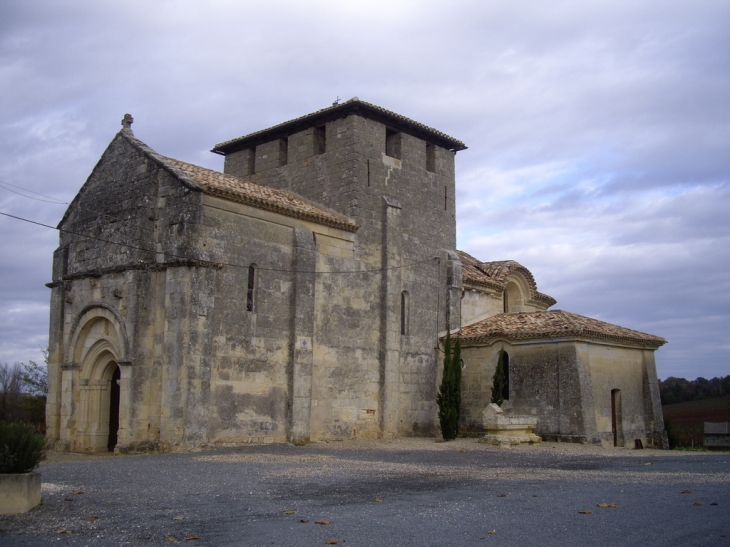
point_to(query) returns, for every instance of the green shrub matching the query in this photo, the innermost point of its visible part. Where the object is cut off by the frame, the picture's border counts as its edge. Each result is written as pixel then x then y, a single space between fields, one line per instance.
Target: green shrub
pixel 449 395
pixel 21 448
pixel 498 380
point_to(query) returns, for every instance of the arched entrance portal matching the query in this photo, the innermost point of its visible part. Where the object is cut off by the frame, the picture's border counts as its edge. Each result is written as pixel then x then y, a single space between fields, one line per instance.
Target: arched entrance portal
pixel 100 398
pixel 114 409
pixel 93 410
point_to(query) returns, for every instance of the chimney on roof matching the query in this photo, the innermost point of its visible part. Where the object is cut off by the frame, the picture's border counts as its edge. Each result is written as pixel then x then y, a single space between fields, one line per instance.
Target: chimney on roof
pixel 127 123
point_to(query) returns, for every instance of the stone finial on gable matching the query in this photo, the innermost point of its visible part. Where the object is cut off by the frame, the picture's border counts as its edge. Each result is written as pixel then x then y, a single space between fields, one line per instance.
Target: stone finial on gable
pixel 127 123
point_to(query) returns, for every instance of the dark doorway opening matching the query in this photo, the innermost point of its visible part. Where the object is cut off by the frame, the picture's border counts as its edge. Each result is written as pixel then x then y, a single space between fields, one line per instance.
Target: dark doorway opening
pixel 114 409
pixel 616 416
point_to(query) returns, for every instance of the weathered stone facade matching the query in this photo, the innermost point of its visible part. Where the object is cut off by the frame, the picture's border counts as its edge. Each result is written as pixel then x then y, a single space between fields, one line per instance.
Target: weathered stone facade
pixel 240 313
pixel 299 295
pixel 584 380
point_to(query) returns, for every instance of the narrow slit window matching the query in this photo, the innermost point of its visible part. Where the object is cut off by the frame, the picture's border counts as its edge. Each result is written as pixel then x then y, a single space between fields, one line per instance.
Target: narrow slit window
pixel 404 313
pixel 392 143
pixel 251 289
pixel 320 140
pixel 368 172
pixel 283 151
pixel 446 199
pixel 431 157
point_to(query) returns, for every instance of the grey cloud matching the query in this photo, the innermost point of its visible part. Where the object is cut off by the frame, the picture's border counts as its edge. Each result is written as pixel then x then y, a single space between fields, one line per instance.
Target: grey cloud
pixel 602 105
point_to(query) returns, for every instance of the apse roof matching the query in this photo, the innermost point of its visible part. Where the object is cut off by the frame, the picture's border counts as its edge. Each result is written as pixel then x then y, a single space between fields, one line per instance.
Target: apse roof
pixel 552 324
pixel 495 275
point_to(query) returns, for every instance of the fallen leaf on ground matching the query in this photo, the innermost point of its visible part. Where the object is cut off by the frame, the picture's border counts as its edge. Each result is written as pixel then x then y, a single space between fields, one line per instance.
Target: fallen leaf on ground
pixel 190 538
pixel 77 492
pixel 648 463
pixel 686 491
pixel 331 542
pixel 290 512
pixel 462 450
pixel 714 503
pixel 180 517
pixel 323 522
pixel 171 539
pixel 697 503
pixel 67 499
pixel 378 500
pixel 604 505
pixel 91 519
pixel 305 521
pixel 62 531
pixel 492 532
pixel 585 512
pixel 502 496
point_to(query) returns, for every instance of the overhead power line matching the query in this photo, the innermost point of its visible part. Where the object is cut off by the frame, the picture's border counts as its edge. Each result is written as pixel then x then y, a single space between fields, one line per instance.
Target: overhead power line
pixel 230 264
pixel 51 199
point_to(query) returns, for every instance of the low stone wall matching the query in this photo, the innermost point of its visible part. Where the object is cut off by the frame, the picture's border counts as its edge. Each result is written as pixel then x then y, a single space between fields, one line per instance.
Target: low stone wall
pixel 19 492
pixel 717 435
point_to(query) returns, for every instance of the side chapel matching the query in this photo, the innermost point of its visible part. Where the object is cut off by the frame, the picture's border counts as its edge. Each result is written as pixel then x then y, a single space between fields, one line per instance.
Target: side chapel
pixel 302 295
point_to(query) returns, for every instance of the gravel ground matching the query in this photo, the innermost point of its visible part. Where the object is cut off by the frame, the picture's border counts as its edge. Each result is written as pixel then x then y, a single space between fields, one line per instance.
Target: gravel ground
pixel 382 493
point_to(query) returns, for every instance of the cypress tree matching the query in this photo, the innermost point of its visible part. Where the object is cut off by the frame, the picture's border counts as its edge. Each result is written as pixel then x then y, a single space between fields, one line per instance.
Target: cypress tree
pixel 456 364
pixel 449 395
pixel 498 380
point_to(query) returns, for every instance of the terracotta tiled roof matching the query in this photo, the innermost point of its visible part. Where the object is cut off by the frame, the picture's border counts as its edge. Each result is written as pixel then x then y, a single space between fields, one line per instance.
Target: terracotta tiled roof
pixel 540 325
pixel 496 274
pixel 286 203
pixel 232 188
pixel 340 110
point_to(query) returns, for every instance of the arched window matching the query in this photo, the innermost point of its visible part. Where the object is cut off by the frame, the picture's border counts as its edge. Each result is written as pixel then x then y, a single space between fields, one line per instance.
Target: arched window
pixel 404 312
pixel 251 289
pixel 512 298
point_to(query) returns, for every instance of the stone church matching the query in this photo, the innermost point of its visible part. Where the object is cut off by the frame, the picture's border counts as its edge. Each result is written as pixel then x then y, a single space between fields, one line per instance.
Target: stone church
pixel 303 294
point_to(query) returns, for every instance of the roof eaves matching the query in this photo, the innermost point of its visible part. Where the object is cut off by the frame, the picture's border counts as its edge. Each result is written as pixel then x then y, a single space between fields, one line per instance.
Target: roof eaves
pixel 339 111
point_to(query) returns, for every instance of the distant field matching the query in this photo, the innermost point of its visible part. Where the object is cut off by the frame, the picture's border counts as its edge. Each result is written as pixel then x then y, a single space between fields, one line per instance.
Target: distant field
pixel 687 419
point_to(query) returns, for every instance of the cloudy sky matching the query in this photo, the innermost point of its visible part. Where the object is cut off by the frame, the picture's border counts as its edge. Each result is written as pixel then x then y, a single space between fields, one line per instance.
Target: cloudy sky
pixel 598 132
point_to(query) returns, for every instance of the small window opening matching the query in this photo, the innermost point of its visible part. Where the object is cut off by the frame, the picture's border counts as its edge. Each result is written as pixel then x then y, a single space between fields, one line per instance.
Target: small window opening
pixel 283 151
pixel 404 311
pixel 320 140
pixel 505 304
pixel 392 143
pixel 368 173
pixel 446 199
pixel 251 289
pixel 505 367
pixel 431 157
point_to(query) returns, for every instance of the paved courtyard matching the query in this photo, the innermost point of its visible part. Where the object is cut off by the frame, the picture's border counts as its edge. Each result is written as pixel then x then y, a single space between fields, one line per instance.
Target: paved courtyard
pixel 406 492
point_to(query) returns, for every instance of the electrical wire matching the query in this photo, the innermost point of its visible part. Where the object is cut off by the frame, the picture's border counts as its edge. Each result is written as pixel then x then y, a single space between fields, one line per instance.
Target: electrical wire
pixel 230 264
pixel 55 201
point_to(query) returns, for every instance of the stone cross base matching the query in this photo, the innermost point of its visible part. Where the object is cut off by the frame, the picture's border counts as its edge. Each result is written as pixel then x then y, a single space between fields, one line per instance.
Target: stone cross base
pixel 507 430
